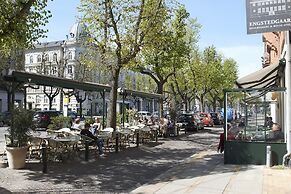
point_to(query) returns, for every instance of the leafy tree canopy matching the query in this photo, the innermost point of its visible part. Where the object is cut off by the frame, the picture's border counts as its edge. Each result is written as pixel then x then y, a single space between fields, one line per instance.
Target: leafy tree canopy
pixel 21 23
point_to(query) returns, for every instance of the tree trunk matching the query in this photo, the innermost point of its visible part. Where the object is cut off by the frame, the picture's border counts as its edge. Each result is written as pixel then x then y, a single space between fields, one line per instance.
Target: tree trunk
pixel 9 103
pixel 220 103
pixel 202 103
pixel 61 99
pixel 161 100
pixel 51 103
pixel 111 121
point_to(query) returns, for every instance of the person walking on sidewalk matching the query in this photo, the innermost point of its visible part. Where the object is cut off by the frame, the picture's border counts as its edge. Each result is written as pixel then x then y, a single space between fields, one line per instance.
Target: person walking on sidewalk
pixel 220 147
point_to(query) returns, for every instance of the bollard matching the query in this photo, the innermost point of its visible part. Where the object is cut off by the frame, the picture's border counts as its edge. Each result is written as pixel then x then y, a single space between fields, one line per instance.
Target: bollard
pixel 116 143
pixel 86 150
pixel 44 158
pixel 137 138
pixel 268 156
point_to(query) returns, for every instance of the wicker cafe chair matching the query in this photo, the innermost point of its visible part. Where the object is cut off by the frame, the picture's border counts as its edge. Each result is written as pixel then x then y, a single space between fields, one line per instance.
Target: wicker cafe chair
pixel 126 136
pixel 34 150
pixel 108 137
pixel 56 151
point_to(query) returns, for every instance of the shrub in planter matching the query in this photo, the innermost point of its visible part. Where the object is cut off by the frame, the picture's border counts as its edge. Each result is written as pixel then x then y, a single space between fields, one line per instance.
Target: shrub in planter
pixel 59 122
pixel 17 137
pixel 21 123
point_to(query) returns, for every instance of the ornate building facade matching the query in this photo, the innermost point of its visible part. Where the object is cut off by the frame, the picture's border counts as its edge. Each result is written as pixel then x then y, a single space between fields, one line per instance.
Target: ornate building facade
pixel 56 59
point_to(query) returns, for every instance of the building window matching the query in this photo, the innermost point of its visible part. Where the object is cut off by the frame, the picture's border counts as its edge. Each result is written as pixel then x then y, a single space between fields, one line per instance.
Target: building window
pixel 46 57
pixel 45 99
pixel 46 71
pixel 37 99
pixel 70 55
pixel 54 71
pixel 38 58
pixel 55 57
pixel 31 59
pixel 70 69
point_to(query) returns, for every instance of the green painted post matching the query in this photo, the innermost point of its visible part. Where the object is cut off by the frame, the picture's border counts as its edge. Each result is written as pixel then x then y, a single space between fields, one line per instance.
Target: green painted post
pixel 116 143
pixel 44 158
pixel 86 150
pixel 137 139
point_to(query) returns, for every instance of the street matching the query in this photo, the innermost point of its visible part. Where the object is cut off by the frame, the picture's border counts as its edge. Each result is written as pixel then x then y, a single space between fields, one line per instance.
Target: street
pixel 119 172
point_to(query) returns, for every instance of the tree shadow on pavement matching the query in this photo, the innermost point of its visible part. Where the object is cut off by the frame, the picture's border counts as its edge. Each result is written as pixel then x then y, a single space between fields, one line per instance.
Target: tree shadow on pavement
pixel 117 172
pixel 211 164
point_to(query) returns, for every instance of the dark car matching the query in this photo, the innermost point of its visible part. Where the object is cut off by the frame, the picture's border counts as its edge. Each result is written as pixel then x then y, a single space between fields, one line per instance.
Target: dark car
pixel 43 118
pixel 216 118
pixel 5 118
pixel 190 122
pixel 73 115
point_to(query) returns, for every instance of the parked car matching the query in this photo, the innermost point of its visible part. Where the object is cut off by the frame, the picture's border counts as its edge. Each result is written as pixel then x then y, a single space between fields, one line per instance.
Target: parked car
pixel 190 122
pixel 43 118
pixel 206 119
pixel 73 115
pixel 5 118
pixel 216 118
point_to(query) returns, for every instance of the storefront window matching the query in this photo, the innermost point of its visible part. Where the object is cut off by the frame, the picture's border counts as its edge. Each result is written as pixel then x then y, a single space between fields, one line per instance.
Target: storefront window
pixel 255 117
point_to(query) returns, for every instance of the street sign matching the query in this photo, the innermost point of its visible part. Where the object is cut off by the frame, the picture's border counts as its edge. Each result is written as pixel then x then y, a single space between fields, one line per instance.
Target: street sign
pixel 268 16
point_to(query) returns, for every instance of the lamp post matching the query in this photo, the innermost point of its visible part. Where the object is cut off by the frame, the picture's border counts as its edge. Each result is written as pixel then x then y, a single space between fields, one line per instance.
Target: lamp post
pixel 122 92
pixel 90 98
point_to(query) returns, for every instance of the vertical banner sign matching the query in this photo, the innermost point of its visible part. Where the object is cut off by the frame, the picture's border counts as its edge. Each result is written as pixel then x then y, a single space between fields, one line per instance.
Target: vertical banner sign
pixel 268 16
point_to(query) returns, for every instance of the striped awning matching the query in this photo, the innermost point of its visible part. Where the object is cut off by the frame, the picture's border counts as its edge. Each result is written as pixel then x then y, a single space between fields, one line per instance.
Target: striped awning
pixel 264 78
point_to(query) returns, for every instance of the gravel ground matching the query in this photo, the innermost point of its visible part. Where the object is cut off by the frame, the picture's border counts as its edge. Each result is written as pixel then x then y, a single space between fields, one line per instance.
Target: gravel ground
pixel 116 173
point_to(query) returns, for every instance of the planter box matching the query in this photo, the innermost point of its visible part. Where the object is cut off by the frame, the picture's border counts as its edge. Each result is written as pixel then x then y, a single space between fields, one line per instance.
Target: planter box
pixel 16 157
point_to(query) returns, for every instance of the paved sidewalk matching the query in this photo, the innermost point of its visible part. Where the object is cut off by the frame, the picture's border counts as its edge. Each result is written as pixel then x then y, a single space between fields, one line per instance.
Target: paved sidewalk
pixel 206 173
pixel 168 161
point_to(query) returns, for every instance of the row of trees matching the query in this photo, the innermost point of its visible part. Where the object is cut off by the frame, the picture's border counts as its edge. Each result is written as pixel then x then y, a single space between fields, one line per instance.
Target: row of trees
pixel 156 38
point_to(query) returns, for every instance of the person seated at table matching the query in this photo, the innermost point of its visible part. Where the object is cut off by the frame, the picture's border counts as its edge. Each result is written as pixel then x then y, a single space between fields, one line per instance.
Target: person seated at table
pixel 275 133
pixel 151 121
pixel 96 127
pixel 164 126
pixel 85 131
pixel 144 121
pixel 77 125
pixel 269 122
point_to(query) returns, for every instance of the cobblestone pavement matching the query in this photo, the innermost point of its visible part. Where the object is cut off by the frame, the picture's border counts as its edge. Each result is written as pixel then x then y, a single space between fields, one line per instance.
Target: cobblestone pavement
pixel 116 173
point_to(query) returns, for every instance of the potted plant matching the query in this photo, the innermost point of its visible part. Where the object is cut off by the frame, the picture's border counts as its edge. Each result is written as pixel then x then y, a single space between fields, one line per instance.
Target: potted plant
pixel 17 137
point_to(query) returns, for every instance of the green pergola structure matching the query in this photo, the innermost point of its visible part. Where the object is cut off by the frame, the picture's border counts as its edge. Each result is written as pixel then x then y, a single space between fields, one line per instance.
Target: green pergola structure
pixel 128 92
pixel 44 80
pixel 246 151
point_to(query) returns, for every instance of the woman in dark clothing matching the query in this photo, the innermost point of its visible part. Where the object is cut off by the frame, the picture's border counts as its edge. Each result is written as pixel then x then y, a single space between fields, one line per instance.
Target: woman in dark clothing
pixel 220 147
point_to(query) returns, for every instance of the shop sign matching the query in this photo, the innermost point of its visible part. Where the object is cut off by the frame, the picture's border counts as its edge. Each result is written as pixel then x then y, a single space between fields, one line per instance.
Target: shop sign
pixel 268 16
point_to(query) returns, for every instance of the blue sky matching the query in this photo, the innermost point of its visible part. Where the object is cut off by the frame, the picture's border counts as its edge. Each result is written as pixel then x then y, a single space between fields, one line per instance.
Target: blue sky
pixel 223 25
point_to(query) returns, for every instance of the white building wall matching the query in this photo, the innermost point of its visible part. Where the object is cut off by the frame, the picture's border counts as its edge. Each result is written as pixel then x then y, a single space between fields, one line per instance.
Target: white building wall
pixel 19 97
